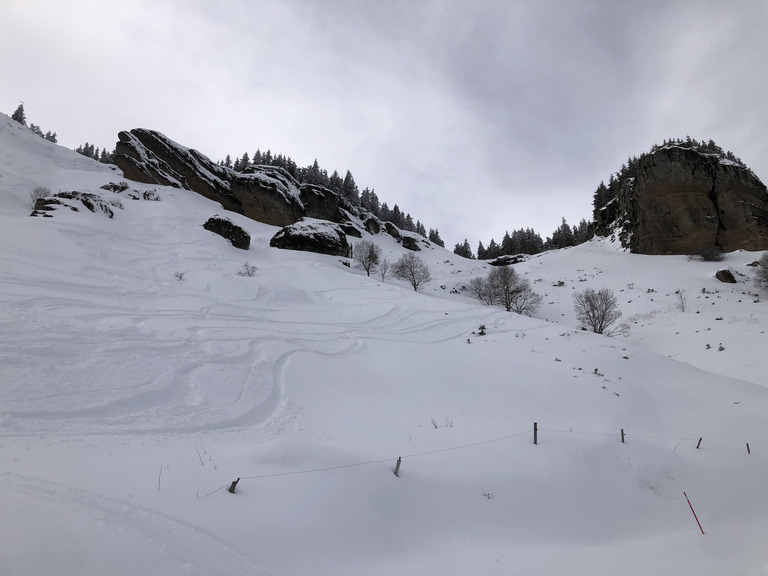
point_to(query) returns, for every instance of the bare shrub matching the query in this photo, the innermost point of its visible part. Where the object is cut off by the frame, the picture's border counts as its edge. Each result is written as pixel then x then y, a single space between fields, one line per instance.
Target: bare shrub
pixel 384 269
pixel 761 272
pixel 247 270
pixel 506 287
pixel 713 254
pixel 599 312
pixel 682 300
pixel 37 193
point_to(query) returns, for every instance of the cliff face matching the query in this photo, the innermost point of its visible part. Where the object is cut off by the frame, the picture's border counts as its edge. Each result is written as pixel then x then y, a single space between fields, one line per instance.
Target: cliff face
pixel 681 200
pixel 267 194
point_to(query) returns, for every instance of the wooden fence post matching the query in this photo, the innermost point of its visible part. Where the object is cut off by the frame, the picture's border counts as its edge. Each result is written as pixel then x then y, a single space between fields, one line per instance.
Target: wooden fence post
pixel 748 452
pixel 535 433
pixel 233 486
pixel 699 444
pixel 622 435
pixel 397 467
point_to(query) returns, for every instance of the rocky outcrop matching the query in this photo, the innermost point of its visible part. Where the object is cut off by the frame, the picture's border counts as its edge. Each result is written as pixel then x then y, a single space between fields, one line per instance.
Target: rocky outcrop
pixel 267 194
pixel 682 200
pixel 225 228
pixel 312 235
pixel 72 200
pixel 725 276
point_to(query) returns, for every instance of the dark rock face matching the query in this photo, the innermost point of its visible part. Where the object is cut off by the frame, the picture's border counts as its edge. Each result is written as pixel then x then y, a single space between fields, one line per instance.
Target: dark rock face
pixel 312 235
pixel 725 276
pixel 230 231
pixel 392 230
pixel 683 200
pixel 372 226
pixel 267 193
pixel 411 243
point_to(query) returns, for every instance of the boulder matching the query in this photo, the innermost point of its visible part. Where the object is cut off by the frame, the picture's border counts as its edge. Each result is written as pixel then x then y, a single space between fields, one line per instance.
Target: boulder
pixel 725 276
pixel 312 235
pixel 372 225
pixel 228 230
pixel 392 230
pixel 411 243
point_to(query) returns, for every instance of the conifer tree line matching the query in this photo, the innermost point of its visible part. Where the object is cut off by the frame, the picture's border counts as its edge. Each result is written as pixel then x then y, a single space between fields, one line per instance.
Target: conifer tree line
pixel 93 152
pixel 86 150
pixel 345 187
pixel 21 118
pixel 527 241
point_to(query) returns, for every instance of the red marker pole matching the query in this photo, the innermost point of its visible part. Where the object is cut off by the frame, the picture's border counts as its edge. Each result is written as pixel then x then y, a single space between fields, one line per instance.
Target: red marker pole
pixel 694 513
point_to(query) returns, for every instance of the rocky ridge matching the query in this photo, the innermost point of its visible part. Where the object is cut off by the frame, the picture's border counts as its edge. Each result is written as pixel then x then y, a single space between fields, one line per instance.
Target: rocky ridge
pixel 681 200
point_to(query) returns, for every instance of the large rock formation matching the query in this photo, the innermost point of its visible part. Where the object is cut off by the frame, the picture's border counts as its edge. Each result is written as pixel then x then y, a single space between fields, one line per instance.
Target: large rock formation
pixel 267 194
pixel 312 235
pixel 681 200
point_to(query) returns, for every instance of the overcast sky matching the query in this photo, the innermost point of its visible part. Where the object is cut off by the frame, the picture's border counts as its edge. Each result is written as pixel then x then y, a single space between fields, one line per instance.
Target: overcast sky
pixel 475 117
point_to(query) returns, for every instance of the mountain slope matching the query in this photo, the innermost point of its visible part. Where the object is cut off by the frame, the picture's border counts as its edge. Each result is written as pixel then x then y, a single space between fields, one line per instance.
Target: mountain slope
pixel 132 399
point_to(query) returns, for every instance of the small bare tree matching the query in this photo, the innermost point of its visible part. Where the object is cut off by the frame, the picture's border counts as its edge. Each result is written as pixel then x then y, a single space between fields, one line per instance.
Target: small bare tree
pixel 482 290
pixel 384 269
pixel 599 312
pixel 761 272
pixel 366 255
pixel 682 300
pixel 506 287
pixel 413 270
pixel 525 300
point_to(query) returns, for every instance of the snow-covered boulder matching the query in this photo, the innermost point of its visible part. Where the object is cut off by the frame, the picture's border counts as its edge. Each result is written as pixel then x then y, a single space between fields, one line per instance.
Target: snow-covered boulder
pixel 312 235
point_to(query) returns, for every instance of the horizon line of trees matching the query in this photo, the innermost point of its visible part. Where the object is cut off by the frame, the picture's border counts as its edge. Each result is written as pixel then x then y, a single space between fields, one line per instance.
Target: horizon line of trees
pixel 527 241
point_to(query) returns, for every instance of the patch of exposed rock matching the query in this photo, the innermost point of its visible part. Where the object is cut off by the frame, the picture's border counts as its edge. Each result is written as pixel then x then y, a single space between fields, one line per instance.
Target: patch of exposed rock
pixel 73 201
pixel 225 228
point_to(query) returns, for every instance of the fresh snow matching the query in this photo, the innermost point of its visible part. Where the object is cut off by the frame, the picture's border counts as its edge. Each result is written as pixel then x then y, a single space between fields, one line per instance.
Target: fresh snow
pixel 131 399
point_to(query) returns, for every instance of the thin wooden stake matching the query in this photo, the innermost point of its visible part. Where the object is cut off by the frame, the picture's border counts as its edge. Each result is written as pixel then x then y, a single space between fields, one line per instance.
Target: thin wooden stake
pixel 397 466
pixel 699 444
pixel 535 433
pixel 233 486
pixel 622 435
pixel 694 513
pixel 748 452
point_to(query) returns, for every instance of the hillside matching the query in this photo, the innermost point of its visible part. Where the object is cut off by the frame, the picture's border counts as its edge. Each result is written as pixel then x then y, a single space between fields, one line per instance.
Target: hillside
pixel 141 375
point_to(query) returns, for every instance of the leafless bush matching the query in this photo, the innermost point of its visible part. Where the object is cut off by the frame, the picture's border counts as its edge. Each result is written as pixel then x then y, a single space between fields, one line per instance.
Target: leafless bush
pixel 37 193
pixel 599 312
pixel 761 272
pixel 682 300
pixel 713 254
pixel 247 270
pixel 384 269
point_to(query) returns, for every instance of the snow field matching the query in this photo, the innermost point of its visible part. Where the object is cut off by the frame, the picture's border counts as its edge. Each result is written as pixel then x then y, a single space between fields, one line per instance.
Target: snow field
pixel 132 399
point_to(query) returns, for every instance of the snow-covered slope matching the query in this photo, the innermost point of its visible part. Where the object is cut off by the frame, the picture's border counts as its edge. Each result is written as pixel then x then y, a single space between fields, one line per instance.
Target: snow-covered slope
pixel 140 375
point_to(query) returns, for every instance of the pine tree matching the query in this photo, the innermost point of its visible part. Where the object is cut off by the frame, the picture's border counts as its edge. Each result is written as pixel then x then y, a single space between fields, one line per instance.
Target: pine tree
pixel 434 236
pixel 19 115
pixel 349 189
